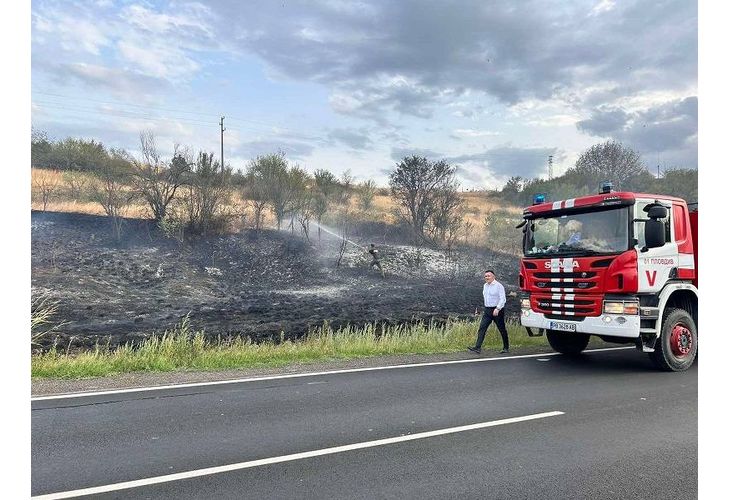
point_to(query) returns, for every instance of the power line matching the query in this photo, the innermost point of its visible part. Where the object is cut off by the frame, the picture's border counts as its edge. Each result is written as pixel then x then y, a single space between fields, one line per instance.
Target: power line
pixel 118 103
pixel 156 118
pixel 120 113
pixel 152 118
pixel 160 108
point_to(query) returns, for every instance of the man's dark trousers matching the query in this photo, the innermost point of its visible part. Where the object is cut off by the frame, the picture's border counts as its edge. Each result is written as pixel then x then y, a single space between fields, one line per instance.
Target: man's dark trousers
pixel 487 319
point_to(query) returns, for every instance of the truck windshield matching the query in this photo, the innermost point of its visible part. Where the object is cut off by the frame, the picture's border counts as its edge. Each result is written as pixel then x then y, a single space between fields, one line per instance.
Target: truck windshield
pixel 587 233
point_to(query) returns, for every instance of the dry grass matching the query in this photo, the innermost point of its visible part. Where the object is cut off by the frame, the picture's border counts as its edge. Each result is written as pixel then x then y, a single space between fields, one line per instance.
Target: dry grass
pixel 184 349
pixel 477 204
pixel 36 173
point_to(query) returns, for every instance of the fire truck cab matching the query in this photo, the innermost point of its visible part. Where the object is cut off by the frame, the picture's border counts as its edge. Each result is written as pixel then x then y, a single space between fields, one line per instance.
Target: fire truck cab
pixel 619 265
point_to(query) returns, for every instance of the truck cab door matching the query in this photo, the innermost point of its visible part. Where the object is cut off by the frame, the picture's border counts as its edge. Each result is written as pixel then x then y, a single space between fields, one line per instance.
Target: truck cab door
pixel 655 265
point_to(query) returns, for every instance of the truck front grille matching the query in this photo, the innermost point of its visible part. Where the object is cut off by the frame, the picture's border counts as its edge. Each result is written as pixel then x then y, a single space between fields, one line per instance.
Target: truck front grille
pixel 566 305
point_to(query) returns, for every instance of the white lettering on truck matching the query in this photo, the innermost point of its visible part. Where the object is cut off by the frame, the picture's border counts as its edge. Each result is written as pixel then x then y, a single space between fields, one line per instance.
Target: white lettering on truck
pixel 562 265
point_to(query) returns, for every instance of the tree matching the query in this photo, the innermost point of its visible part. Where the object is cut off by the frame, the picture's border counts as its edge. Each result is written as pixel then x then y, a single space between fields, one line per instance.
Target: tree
pixel 366 195
pixel 419 186
pixel 305 210
pixel 447 217
pixel 325 187
pixel 499 231
pixel 610 161
pixel 45 184
pixel 80 154
pixel 156 181
pixel 325 182
pixel 207 194
pixel 264 177
pixel 680 182
pixel 345 187
pixel 110 189
pixel 280 196
pixel 299 203
pixel 512 189
pixel 68 154
pixel 254 190
pixel 41 149
pixel 76 183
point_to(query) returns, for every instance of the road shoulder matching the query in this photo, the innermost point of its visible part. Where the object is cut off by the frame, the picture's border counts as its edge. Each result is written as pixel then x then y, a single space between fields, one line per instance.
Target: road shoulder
pixel 48 387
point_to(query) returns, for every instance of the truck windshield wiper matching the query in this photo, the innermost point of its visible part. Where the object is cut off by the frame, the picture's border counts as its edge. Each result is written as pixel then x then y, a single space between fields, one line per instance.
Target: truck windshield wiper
pixel 578 251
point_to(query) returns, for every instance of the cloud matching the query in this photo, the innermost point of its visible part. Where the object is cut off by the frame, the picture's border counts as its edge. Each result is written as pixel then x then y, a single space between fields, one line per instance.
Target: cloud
pixel 398 153
pixel 460 133
pixel 669 128
pixel 471 177
pixel 604 121
pixel 370 97
pixel 354 139
pixel 117 81
pixel 293 149
pixel 189 19
pixel 490 164
pixel 164 42
pixel 507 161
pixel 408 57
pixel 73 33
pixel 603 6
pixel 537 62
pixel 158 60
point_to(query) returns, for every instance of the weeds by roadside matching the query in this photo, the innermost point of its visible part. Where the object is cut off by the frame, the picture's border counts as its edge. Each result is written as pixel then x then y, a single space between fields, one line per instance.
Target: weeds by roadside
pixel 184 349
pixel 42 311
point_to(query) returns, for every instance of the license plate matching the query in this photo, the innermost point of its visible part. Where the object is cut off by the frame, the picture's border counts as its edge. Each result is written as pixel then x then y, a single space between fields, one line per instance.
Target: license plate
pixel 562 327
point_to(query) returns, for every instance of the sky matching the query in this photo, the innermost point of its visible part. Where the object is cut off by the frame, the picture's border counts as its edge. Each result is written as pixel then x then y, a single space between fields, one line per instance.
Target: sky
pixel 493 87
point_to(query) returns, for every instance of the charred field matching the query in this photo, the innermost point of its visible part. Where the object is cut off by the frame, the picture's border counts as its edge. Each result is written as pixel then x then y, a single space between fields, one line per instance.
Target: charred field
pixel 258 285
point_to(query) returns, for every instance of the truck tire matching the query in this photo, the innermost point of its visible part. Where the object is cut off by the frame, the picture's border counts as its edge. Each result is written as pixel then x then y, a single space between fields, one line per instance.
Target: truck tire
pixel 676 348
pixel 567 342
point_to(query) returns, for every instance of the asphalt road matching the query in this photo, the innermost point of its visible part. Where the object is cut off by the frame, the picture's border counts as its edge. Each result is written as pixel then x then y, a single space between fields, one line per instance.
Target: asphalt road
pixel 620 430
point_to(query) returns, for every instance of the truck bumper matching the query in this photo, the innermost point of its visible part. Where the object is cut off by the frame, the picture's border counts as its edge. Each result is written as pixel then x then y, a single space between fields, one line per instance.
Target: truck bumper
pixel 613 325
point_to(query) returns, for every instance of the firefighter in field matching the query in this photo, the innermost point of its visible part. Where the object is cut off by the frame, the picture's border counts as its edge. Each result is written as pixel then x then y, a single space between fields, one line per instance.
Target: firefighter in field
pixel 376 259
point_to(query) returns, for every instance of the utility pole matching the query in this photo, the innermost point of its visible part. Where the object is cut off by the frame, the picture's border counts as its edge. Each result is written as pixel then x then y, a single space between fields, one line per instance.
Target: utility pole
pixel 222 130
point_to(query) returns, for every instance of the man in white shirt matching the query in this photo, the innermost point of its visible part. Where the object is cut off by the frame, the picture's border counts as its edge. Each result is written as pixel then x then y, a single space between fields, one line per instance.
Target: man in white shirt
pixel 494 302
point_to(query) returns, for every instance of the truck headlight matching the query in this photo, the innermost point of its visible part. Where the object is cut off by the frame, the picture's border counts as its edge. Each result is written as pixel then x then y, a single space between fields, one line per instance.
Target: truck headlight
pixel 620 307
pixel 525 303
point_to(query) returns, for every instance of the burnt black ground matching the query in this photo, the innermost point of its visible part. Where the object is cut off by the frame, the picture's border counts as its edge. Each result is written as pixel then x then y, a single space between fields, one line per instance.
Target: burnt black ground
pixel 241 284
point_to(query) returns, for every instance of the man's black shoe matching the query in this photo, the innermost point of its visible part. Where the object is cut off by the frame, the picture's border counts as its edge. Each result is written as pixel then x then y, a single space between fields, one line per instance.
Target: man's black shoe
pixel 504 351
pixel 474 349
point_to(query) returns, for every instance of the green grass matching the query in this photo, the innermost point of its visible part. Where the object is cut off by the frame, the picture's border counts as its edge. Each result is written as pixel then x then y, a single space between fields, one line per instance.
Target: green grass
pixel 182 349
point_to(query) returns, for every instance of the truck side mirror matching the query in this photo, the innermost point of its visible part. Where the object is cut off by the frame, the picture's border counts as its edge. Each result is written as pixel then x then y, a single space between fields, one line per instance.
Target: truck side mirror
pixel 654 233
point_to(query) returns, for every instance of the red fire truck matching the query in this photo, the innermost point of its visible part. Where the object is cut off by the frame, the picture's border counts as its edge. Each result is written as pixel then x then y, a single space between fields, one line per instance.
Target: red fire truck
pixel 619 265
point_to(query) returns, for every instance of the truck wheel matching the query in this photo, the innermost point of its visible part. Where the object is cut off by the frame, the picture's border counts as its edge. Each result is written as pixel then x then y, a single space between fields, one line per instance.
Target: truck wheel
pixel 567 343
pixel 676 349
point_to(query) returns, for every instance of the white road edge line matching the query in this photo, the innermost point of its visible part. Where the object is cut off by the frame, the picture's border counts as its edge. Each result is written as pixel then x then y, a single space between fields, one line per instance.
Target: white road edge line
pixel 287 458
pixel 299 375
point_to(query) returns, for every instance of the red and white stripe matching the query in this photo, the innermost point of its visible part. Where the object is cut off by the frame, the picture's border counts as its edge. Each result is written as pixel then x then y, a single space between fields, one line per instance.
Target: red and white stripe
pixel 563 266
pixel 557 205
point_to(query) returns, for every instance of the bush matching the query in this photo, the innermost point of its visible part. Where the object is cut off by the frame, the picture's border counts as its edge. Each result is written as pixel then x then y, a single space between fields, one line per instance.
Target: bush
pixel 205 196
pixel 500 231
